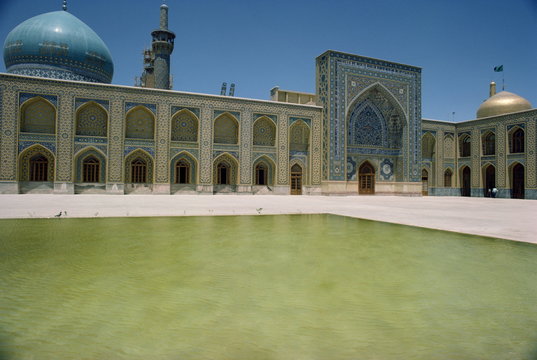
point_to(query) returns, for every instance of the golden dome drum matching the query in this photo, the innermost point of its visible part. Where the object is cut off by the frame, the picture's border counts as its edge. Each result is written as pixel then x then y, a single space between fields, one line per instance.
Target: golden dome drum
pixel 501 103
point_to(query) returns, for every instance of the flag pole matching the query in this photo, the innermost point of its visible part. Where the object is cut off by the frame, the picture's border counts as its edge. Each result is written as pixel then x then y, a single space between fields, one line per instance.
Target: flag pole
pixel 500 69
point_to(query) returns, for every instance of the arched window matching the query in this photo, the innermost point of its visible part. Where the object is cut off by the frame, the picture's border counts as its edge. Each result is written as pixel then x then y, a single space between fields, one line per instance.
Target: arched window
pixel 517 142
pixel 264 132
pixel 182 172
pixel 138 171
pixel 38 116
pixel 91 120
pixel 261 173
pixel 449 149
pixel 91 170
pixel 448 174
pixel 465 146
pixel 226 130
pixel 39 168
pixel 489 144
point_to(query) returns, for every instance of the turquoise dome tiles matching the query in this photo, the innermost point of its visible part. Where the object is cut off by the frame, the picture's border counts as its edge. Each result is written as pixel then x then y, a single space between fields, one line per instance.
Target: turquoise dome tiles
pixel 57 45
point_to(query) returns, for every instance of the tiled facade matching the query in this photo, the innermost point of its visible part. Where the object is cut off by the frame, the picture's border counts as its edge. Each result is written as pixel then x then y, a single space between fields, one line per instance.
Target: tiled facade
pixel 371 113
pixel 116 124
pixel 494 160
pixel 360 133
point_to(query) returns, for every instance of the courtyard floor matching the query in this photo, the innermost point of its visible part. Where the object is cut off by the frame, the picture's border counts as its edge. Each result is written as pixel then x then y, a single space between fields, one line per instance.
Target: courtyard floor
pixel 502 218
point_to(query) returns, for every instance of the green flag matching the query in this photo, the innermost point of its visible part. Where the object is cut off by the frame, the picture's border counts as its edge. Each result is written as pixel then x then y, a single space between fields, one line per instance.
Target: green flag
pixel 498 68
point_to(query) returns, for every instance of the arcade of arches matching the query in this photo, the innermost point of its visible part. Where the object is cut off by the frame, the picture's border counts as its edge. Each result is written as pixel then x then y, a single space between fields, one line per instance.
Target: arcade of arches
pixel 493 164
pixel 361 133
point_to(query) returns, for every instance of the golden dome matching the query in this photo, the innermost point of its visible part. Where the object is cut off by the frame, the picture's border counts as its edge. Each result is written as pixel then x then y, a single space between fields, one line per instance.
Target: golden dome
pixel 501 103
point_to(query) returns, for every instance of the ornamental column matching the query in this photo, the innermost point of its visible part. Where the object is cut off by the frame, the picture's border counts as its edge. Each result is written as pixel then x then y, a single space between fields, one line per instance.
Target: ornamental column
pixel 8 140
pixel 205 184
pixel 245 183
pixel 63 181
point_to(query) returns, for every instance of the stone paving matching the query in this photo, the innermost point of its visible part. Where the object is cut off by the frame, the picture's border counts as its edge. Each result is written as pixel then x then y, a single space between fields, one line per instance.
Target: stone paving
pixel 502 218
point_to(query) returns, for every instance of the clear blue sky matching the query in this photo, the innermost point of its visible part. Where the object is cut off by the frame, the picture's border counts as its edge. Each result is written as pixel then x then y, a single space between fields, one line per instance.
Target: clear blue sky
pixel 261 44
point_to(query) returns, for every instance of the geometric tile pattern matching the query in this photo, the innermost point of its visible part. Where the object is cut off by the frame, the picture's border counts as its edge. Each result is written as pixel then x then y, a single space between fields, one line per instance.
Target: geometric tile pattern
pixel 121 106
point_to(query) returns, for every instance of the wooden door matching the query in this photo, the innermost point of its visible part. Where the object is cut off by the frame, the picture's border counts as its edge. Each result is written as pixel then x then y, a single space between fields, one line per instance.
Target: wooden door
pixel 296 180
pixel 366 179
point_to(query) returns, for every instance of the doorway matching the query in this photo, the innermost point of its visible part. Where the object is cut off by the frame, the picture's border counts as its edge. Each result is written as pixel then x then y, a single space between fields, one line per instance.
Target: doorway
pixel 296 180
pixel 424 183
pixel 490 180
pixel 366 181
pixel 517 191
pixel 466 189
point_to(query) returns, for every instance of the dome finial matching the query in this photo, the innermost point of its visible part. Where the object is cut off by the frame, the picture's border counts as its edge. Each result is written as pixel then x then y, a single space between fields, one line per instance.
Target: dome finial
pixel 492 91
pixel 64 6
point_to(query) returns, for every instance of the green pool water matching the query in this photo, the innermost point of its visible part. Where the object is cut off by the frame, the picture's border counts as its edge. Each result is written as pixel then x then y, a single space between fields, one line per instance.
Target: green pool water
pixel 261 287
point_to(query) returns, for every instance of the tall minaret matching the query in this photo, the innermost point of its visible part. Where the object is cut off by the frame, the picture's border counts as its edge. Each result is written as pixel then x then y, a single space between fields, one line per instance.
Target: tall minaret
pixel 162 47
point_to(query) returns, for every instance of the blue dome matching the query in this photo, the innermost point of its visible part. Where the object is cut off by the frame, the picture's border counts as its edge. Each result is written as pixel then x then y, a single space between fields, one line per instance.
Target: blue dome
pixel 58 45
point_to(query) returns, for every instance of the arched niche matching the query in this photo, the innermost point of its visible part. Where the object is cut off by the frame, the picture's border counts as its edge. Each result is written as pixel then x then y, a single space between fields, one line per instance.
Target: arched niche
pixel 449 147
pixel 264 171
pixel 375 119
pixel 226 129
pixel 488 141
pixel 264 133
pixel 448 178
pixel 428 143
pixel 92 120
pixel 185 126
pixel 90 172
pixel 184 169
pixel 299 137
pixel 516 140
pixel 225 170
pixel 36 163
pixel 38 115
pixel 465 145
pixel 139 167
pixel 140 123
